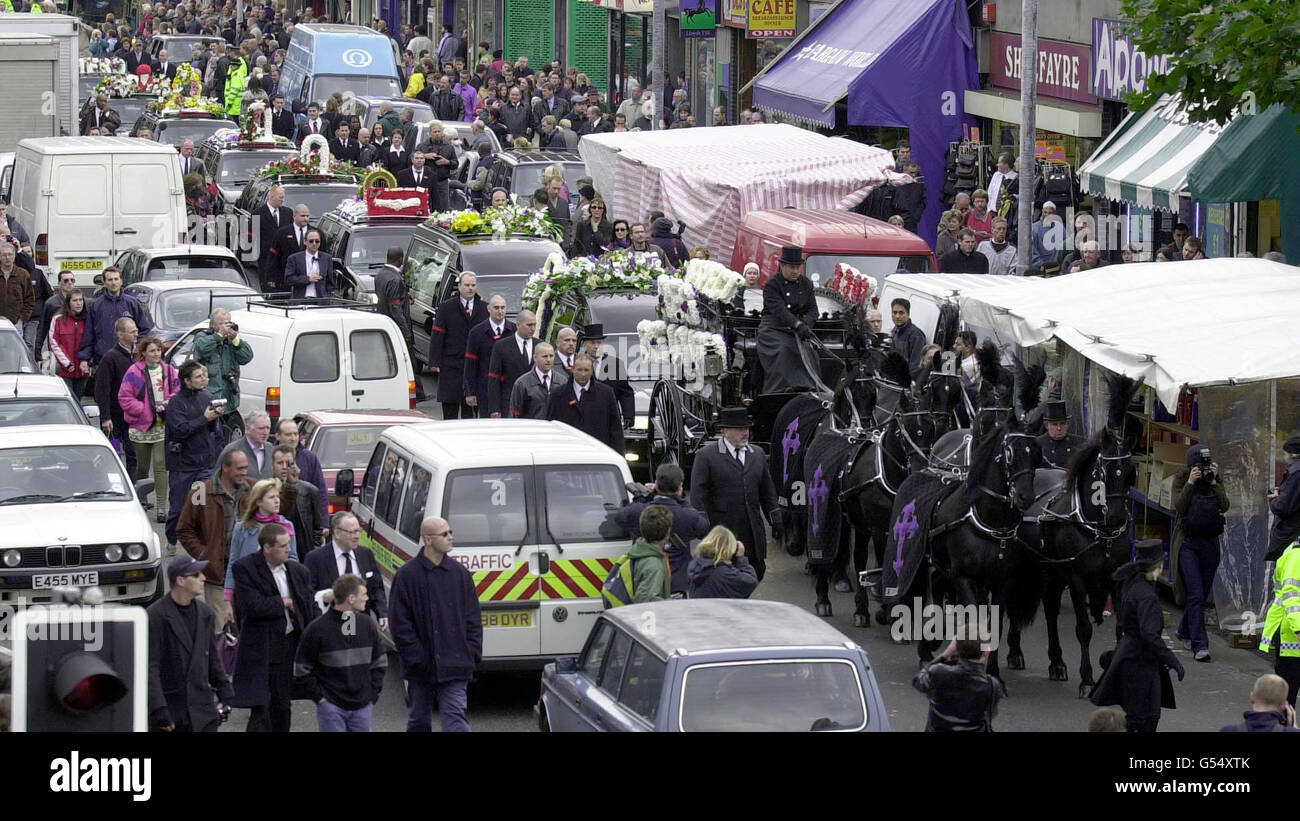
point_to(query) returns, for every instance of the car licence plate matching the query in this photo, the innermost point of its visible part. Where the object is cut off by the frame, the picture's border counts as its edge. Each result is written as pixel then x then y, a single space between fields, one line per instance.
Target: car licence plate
pixel 508 618
pixel 45 581
pixel 81 265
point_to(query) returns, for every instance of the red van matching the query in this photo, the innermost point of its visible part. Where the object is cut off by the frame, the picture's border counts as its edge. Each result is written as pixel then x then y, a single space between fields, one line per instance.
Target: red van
pixel 875 248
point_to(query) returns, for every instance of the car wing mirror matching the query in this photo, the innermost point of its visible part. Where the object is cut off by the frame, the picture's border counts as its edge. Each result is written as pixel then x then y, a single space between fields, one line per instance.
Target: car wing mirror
pixel 343 483
pixel 567 664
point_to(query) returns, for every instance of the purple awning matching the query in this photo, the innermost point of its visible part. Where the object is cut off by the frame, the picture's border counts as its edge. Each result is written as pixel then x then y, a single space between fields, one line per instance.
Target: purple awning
pixel 901 63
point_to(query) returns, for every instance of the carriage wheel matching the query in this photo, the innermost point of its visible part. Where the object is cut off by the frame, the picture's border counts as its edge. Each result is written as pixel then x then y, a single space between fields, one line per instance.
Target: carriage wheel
pixel 665 442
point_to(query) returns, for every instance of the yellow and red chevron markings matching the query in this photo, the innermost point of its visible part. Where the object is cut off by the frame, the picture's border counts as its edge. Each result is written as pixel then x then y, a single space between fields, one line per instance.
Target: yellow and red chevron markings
pixel 567 579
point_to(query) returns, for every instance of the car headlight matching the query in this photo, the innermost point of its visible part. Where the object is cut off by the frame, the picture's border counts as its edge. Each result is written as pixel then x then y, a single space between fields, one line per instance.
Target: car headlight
pixel 113 553
pixel 135 552
pixel 13 558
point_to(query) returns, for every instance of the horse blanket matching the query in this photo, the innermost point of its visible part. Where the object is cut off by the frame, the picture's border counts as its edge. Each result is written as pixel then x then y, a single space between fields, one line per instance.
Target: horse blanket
pixel 909 530
pixel 792 433
pixel 824 464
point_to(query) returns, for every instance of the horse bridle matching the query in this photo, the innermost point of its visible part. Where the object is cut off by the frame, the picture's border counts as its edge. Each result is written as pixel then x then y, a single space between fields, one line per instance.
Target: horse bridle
pixel 1076 515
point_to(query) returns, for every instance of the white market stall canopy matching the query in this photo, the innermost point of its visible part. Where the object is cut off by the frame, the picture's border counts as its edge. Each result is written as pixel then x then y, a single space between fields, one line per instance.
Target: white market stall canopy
pixel 710 178
pixel 1197 323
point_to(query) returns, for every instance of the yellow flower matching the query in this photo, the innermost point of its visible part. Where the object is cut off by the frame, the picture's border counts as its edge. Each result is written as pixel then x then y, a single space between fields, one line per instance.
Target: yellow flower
pixel 466 222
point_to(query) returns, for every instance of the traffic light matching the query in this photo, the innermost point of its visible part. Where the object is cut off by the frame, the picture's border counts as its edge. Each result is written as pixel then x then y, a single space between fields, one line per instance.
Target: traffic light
pixel 80 668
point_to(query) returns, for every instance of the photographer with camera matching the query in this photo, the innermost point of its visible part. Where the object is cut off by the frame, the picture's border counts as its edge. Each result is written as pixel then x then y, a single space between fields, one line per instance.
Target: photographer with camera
pixel 193 438
pixel 1200 502
pixel 688 523
pixel 222 352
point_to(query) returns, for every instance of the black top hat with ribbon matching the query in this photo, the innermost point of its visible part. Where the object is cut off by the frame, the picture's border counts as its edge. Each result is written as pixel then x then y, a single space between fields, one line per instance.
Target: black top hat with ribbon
pixel 792 255
pixel 1148 552
pixel 736 417
pixel 595 330
pixel 1056 411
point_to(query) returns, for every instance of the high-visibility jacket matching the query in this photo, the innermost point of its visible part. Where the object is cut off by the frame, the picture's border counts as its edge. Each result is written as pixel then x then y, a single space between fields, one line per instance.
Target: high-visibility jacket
pixel 236 81
pixel 7 5
pixel 1282 624
pixel 36 9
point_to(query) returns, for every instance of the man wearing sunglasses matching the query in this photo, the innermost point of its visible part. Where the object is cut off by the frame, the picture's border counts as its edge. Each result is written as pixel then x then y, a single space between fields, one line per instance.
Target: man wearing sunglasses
pixel 310 272
pixel 181 625
pixel 437 627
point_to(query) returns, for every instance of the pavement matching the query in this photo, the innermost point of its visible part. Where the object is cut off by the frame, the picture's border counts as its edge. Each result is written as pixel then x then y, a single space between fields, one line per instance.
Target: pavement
pixel 1212 694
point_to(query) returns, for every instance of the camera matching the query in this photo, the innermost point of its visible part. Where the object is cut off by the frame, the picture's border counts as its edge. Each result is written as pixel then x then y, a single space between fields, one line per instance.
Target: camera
pixel 232 382
pixel 218 405
pixel 234 327
pixel 1206 464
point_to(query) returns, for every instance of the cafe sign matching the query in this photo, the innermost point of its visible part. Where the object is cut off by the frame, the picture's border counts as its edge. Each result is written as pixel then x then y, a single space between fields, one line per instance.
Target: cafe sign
pixel 1064 69
pixel 770 18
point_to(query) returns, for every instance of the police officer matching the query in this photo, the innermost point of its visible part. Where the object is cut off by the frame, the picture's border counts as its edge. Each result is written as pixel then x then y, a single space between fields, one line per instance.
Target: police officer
pixel 1058 443
pixel 1284 502
pixel 789 311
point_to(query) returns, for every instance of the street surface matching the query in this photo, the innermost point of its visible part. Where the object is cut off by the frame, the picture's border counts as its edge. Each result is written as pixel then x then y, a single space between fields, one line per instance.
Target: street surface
pixel 1212 694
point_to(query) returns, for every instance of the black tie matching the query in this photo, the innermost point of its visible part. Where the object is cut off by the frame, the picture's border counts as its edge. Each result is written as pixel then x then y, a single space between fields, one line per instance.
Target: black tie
pixel 347 558
pixel 525 350
pixel 300 242
pixel 275 216
pixel 736 453
pixel 546 383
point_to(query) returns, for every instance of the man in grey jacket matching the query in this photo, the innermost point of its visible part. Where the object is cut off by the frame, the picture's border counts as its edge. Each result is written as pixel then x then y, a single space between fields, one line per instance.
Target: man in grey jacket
pixel 254 445
pixel 517 116
pixel 530 393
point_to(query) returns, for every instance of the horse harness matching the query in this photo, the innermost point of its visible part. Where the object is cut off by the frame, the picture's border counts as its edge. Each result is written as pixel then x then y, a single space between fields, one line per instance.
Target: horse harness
pixel 1075 515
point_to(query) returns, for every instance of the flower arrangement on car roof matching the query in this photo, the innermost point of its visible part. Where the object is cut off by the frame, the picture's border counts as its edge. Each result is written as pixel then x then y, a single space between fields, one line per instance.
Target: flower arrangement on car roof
pixel 500 220
pixel 619 269
pixel 312 160
pixel 186 95
pixel 234 137
pixel 856 286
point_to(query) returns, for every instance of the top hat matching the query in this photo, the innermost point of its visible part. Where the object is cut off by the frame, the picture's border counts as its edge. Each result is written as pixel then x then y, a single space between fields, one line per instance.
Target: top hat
pixel 1149 551
pixel 1056 411
pixel 736 417
pixel 792 255
pixel 1292 445
pixel 595 330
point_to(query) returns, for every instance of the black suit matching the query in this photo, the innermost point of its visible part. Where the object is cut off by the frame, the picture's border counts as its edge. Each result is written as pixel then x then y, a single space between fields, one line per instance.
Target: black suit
pixel 297 275
pixel 478 358
pixel 195 166
pixel 282 123
pixel 167 69
pixel 406 178
pixel 264 664
pixel 284 245
pixel 346 152
pixel 508 364
pixel 735 496
pixel 447 345
pixel 396 162
pixel 324 570
pixel 596 414
pixel 611 371
pixel 186 679
pixel 306 129
pixel 267 228
pixel 133 62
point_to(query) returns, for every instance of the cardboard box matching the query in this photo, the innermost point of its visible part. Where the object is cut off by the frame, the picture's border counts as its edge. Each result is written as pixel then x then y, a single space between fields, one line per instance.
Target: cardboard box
pixel 1170 452
pixel 1167 492
pixel 1143 480
pixel 1159 471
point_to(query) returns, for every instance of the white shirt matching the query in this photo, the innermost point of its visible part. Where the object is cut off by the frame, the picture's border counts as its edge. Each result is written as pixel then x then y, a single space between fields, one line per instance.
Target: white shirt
pixel 497 330
pixel 342 564
pixel 542 378
pixel 312 268
pixel 736 454
pixel 260 453
pixel 281 576
pixel 579 390
pixel 523 345
pixel 566 361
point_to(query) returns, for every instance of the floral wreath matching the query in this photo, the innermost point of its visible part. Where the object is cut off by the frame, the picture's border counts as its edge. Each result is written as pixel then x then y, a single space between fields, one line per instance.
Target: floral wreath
pixel 854 285
pixel 510 218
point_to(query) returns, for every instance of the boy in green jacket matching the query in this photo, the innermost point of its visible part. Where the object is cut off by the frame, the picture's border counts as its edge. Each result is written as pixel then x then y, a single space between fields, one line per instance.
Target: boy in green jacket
pixel 651 578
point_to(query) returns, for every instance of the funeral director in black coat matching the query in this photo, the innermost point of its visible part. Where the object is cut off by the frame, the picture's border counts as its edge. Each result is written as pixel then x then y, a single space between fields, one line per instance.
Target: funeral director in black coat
pixel 512 357
pixel 789 311
pixel 1058 444
pixel 730 483
pixel 588 405
pixel 343 553
pixel 448 343
pixel 1138 676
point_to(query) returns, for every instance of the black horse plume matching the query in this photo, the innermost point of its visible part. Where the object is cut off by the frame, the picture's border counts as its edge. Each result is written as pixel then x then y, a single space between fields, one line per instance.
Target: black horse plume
pixel 1121 391
pixel 1029 386
pixel 896 370
pixel 995 382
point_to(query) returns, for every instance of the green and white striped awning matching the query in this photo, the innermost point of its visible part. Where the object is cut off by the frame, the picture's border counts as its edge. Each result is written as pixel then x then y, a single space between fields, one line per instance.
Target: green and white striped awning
pixel 1146 160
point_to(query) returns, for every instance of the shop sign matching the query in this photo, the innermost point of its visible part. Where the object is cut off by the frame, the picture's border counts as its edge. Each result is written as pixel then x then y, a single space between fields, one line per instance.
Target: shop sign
pixel 699 18
pixel 1064 69
pixel 628 6
pixel 1049 149
pixel 1216 230
pixel 735 13
pixel 770 18
pixel 1118 66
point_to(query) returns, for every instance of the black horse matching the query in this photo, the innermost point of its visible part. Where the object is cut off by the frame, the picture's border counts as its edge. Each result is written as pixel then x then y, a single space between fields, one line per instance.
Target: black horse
pixel 1081 534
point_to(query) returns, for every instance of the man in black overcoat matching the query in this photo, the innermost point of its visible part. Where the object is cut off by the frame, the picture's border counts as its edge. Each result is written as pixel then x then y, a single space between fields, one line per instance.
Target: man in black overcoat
pixel 478 352
pixel 187 683
pixel 447 344
pixel 588 405
pixel 512 357
pixel 731 484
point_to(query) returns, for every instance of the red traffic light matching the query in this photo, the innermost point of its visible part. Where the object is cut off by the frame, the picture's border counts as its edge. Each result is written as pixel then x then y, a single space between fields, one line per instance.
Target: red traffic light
pixel 83 682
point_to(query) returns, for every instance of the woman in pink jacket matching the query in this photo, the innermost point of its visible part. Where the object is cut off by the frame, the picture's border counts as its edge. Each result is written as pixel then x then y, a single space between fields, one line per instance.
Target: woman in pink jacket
pixel 146 388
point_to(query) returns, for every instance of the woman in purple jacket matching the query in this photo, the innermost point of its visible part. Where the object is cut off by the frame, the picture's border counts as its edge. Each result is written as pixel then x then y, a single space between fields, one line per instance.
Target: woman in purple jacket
pixel 146 388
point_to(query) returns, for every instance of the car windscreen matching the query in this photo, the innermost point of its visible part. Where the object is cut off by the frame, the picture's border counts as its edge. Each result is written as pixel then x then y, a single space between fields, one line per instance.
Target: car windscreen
pixel 528 178
pixel 38 411
pixel 619 314
pixel 773 697
pixel 16 358
pixel 175 132
pixel 576 496
pixel 369 248
pixel 42 475
pixel 346 446
pixel 237 167
pixel 320 199
pixel 821 267
pixel 188 307
pixel 195 267
pixel 360 85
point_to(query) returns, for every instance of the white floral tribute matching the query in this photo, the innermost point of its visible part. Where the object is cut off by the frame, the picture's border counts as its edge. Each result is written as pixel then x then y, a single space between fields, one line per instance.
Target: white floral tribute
pixel 678 301
pixel 713 279
pixel 102 65
pixel 316 141
pixel 666 343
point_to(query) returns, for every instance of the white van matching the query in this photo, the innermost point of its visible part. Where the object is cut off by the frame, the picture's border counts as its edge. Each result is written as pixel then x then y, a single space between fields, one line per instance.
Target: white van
pixel 529 504
pixel 84 200
pixel 928 293
pixel 321 356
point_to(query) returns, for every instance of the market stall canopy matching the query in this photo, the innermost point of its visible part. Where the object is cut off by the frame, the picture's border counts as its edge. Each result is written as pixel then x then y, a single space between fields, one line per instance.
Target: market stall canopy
pixel 901 63
pixel 1147 159
pixel 710 178
pixel 1195 323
